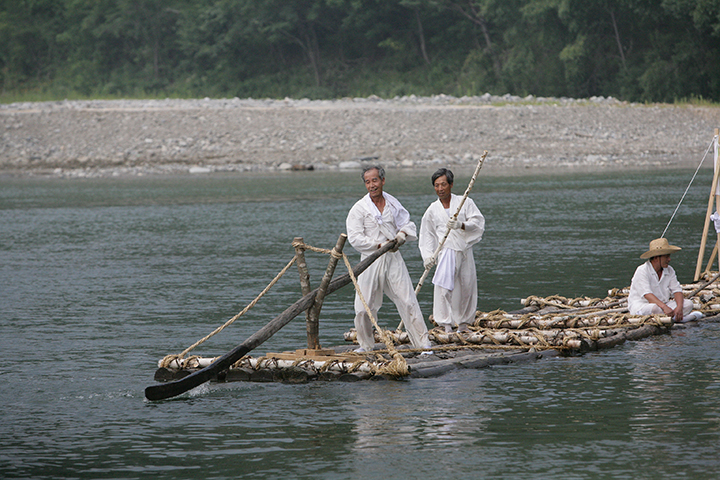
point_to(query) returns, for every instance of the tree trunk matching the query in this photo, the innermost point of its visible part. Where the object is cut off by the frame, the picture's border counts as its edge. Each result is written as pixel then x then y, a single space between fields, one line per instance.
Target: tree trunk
pixel 617 39
pixel 421 35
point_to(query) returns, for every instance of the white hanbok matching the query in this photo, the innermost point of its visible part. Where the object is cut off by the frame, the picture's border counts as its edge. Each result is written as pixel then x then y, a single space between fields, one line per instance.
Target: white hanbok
pixel 644 281
pixel 455 279
pixel 367 228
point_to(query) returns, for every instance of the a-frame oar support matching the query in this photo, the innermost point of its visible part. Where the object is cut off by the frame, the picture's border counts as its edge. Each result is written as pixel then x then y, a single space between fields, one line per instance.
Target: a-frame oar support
pixel 714 198
pixel 177 387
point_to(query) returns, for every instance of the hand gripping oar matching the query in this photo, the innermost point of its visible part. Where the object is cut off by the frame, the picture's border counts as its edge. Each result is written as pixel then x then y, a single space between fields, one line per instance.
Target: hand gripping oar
pixel 177 387
pixel 454 217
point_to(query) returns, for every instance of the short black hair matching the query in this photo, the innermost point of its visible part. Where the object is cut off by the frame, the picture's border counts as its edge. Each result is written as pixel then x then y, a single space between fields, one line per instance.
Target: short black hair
pixel 367 168
pixel 443 171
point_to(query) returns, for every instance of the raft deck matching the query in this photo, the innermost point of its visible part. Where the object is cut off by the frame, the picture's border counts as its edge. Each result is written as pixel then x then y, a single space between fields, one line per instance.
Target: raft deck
pixel 544 327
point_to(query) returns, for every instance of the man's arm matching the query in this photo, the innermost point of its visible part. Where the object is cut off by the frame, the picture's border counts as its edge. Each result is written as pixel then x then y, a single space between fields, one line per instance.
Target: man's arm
pixel 680 301
pixel 428 240
pixel 474 220
pixel 650 297
pixel 356 233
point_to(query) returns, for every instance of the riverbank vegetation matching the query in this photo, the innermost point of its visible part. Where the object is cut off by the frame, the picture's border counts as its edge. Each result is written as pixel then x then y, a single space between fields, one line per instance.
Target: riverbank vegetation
pixel 635 50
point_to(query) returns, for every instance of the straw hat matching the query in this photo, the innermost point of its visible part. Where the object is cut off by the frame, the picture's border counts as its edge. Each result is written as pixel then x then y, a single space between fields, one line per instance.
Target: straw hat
pixel 660 246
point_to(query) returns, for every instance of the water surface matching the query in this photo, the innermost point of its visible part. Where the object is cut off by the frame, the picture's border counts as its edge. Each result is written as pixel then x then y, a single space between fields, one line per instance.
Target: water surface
pixel 99 278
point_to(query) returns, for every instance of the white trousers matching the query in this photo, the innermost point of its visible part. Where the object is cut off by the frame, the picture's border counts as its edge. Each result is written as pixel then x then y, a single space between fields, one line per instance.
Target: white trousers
pixel 389 276
pixel 652 309
pixel 458 305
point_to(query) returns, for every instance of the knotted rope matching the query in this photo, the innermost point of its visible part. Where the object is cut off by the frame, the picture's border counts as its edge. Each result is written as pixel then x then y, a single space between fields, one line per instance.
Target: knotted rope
pixel 398 366
pixel 165 362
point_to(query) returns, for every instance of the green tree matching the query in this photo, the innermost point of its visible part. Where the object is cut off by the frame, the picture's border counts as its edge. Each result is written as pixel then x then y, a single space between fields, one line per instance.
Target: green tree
pixel 28 31
pixel 123 44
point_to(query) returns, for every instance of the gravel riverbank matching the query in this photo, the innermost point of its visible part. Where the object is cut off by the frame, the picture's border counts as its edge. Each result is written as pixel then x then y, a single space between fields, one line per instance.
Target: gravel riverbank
pixel 132 137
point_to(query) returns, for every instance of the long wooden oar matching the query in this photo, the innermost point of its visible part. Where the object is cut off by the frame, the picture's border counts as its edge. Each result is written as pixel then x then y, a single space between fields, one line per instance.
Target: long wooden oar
pixel 177 387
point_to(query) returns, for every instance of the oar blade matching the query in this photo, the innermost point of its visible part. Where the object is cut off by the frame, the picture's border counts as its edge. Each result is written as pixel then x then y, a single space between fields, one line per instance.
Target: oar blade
pixel 176 387
pixel 163 391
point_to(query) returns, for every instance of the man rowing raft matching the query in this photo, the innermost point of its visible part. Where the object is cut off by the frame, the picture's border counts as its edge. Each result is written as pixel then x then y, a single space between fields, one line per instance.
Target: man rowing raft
pixel 375 219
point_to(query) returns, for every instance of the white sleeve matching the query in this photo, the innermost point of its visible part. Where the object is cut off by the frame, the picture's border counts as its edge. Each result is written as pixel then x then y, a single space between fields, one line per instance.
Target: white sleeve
pixel 474 221
pixel 428 235
pixel 355 225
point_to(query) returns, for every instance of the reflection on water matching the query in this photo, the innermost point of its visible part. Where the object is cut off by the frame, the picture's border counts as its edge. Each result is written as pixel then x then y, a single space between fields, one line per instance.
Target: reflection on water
pixel 101 278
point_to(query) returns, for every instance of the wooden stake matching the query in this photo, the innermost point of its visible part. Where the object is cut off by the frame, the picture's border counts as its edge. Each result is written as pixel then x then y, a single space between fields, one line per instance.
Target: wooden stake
pixel 299 245
pixel 712 257
pixel 305 287
pixel 313 322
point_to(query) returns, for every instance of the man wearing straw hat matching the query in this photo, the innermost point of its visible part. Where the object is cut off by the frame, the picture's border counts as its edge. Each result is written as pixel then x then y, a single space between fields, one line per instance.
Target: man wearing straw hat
pixel 374 220
pixel 655 288
pixel 455 280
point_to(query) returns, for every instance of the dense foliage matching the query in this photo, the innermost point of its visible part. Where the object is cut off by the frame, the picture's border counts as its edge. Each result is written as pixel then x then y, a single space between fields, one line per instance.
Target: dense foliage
pixel 639 50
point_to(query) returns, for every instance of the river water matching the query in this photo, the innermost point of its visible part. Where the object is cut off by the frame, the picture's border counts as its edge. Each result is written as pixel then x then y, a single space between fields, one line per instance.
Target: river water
pixel 100 278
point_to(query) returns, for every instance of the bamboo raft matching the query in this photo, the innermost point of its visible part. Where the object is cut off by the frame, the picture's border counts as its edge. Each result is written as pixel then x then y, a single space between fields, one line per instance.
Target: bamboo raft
pixel 544 327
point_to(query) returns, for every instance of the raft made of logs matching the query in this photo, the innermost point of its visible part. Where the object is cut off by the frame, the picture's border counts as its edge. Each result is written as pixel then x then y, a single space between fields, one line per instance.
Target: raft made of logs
pixel 544 327
pixel 296 367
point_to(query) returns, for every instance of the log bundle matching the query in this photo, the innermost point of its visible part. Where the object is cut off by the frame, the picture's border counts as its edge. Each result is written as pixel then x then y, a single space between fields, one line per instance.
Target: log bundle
pixel 542 327
pixel 569 324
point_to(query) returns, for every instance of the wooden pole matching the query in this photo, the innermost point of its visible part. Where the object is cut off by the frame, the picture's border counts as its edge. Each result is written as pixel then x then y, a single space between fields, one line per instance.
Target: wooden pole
pixel 305 287
pixel 299 245
pixel 712 256
pixel 177 387
pixel 313 324
pixel 703 286
pixel 703 241
pixel 717 200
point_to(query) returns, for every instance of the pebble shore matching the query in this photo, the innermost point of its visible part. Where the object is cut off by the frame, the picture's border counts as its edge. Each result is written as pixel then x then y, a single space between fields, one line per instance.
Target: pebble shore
pixel 139 137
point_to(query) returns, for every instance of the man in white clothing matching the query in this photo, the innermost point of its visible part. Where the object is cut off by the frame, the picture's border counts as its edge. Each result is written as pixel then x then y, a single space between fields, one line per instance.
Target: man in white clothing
pixel 655 288
pixel 455 280
pixel 374 220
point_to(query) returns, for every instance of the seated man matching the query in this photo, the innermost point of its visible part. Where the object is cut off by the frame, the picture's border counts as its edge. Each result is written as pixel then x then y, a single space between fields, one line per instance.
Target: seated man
pixel 655 288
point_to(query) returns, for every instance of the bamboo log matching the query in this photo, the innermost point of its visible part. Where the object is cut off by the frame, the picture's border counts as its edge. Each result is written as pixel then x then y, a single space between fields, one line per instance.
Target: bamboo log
pixel 558 336
pixel 172 389
pixel 597 306
pixel 436 368
pixel 337 366
pixel 193 362
pixel 705 285
pixel 622 337
pixel 597 319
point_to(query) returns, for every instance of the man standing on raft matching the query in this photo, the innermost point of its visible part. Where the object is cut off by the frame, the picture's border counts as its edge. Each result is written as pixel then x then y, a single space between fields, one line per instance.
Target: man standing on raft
pixel 455 280
pixel 655 288
pixel 374 220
